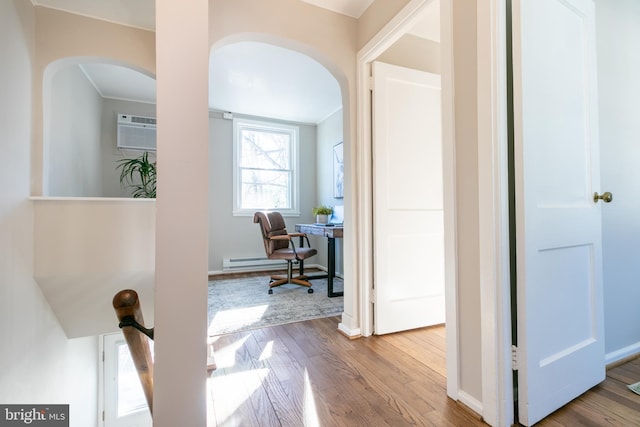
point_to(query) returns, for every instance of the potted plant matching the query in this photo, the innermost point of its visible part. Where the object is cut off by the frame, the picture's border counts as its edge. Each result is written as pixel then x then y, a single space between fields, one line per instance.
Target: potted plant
pixel 322 213
pixel 139 174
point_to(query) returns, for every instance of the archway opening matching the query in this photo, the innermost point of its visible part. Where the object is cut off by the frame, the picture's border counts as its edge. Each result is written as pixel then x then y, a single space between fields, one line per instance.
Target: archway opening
pixel 82 99
pixel 272 84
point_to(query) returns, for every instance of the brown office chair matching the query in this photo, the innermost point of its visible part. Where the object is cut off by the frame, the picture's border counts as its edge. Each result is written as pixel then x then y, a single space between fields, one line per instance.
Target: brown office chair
pixel 279 244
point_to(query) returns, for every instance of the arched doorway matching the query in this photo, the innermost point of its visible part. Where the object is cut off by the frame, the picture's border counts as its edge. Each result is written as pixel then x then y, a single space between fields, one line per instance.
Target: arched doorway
pixel 272 84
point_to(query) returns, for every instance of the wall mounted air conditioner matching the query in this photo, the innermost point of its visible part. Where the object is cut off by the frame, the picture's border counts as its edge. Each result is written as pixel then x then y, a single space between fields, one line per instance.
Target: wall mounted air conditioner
pixel 136 132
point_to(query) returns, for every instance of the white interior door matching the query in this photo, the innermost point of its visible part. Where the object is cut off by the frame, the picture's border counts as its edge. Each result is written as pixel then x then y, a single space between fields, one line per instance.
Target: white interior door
pixel 559 267
pixel 407 199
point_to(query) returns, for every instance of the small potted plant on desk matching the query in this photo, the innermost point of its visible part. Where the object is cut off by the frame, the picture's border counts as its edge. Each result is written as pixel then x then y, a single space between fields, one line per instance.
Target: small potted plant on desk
pixel 322 214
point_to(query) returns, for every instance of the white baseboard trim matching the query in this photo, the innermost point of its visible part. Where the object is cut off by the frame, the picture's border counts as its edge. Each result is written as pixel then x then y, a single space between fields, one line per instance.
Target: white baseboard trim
pixel 267 268
pixel 350 333
pixel 623 353
pixel 469 401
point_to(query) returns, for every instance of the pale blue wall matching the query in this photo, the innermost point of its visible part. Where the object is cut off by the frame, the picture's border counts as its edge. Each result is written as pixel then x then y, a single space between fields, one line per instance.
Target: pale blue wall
pixel 238 236
pixel 330 133
pixel 73 136
pixel 618 32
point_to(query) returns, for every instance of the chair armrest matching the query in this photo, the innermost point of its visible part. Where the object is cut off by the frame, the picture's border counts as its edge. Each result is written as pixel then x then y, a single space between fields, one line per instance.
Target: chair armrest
pixel 303 237
pixel 288 238
pixel 281 237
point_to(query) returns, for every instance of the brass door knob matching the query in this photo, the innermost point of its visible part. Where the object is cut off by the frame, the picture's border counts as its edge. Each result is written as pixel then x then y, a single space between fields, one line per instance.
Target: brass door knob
pixel 606 197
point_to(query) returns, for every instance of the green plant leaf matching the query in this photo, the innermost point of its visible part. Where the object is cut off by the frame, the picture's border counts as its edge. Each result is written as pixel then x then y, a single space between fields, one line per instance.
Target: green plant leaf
pixel 139 174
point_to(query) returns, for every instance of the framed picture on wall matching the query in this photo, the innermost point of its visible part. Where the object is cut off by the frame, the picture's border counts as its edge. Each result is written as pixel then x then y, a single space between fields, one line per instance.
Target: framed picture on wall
pixel 338 171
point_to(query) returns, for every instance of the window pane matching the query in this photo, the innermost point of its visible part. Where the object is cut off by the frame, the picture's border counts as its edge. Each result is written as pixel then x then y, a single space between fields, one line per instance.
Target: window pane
pixel 265 189
pixel 265 150
pixel 130 395
pixel 265 161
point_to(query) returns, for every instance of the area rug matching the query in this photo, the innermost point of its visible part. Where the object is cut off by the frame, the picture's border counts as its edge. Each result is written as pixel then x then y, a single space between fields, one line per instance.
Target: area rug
pixel 634 388
pixel 239 304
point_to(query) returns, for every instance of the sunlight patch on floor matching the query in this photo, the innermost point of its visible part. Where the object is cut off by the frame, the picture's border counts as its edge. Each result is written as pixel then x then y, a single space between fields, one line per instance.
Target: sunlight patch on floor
pixel 242 317
pixel 310 412
pixel 236 388
pixel 267 351
pixel 226 356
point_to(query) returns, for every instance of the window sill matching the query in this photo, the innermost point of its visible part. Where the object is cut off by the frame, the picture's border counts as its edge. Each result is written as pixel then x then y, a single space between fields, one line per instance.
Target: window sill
pixel 252 212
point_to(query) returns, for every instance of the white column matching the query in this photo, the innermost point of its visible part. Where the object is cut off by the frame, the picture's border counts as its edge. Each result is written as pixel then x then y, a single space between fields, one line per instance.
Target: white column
pixel 182 62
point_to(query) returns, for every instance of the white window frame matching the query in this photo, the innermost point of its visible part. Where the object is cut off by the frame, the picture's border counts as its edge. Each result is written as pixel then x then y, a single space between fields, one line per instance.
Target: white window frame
pixel 240 124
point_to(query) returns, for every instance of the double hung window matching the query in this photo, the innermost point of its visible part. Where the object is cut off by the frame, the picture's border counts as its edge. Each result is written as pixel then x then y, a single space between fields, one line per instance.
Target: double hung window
pixel 265 167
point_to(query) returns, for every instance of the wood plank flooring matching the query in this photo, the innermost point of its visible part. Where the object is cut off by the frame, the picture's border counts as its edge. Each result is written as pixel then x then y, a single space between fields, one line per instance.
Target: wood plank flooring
pixel 610 403
pixel 308 374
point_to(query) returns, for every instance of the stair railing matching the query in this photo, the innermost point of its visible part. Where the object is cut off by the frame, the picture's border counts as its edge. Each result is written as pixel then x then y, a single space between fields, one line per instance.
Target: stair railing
pixel 127 307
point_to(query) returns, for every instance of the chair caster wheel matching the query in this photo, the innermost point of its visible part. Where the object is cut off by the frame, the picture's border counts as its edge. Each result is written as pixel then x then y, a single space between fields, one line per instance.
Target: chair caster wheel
pixel 310 290
pixel 270 291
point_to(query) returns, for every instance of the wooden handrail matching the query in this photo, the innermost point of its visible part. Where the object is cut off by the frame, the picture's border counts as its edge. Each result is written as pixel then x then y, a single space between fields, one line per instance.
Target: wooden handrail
pixel 127 307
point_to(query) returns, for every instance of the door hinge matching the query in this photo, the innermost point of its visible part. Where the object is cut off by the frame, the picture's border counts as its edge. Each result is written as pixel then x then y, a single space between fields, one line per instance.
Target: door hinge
pixel 372 296
pixel 514 358
pixel 371 83
pixel 102 415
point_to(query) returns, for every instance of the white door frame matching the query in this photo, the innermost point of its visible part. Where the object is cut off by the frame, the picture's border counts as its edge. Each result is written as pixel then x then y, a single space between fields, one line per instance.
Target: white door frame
pixel 496 405
pixel 493 179
pixel 389 34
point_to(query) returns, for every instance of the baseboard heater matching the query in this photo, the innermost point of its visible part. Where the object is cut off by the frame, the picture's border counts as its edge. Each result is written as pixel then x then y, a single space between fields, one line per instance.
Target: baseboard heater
pixel 259 263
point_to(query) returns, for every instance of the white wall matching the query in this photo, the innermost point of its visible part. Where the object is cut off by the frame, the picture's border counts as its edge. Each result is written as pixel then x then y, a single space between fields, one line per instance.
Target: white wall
pixel 36 358
pixel 330 133
pixel 618 32
pixel 88 250
pixel 73 138
pixel 238 236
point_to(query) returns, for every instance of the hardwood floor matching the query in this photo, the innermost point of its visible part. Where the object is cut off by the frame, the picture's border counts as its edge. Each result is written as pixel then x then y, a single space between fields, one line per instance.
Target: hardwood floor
pixel 610 403
pixel 308 374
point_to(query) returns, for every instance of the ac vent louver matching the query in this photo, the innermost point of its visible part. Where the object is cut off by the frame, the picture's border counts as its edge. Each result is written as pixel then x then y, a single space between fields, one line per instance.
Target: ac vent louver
pixel 136 132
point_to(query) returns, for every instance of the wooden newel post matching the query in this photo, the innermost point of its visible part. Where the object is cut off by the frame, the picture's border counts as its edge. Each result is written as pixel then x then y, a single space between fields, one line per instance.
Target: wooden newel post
pixel 127 307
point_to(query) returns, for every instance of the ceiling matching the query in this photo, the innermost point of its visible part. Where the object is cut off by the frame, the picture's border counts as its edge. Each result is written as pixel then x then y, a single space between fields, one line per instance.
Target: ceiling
pixel 269 81
pixel 117 82
pixel 248 77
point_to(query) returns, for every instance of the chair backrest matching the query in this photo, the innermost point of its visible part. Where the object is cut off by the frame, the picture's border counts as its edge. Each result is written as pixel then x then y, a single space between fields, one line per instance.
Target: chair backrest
pixel 271 224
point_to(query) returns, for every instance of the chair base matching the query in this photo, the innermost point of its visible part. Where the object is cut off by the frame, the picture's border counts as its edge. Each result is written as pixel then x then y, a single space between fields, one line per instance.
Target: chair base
pixel 300 280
